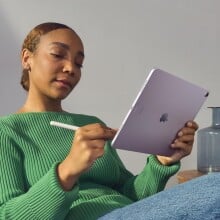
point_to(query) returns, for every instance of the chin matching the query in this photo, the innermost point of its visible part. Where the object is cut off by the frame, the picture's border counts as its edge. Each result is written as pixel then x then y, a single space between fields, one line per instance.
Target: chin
pixel 60 94
pixel 60 97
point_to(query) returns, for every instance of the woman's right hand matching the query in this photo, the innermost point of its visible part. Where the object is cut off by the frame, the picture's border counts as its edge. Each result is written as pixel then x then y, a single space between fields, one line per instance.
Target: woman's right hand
pixel 88 145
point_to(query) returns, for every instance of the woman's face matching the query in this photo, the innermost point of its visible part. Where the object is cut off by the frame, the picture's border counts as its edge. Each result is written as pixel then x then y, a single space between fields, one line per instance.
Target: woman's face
pixel 55 66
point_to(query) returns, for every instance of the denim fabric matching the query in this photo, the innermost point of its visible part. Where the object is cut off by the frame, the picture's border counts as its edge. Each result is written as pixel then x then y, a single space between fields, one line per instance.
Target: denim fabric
pixel 197 199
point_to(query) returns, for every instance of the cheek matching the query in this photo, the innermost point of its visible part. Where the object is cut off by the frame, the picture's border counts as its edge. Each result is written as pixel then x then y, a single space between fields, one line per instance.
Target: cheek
pixel 79 76
pixel 46 66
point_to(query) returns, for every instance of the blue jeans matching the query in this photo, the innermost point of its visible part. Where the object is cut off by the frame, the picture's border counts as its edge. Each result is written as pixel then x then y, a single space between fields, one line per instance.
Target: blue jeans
pixel 196 199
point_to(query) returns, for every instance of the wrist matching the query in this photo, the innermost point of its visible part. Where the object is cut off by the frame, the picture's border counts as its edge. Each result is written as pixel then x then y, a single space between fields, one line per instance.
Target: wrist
pixel 166 161
pixel 66 178
pixel 165 171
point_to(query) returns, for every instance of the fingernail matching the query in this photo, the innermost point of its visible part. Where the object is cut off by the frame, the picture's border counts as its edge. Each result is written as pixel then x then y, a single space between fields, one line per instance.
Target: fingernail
pixel 189 124
pixel 180 134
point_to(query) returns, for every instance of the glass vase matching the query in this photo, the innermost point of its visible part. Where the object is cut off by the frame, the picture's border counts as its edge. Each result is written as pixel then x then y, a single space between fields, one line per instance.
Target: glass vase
pixel 208 145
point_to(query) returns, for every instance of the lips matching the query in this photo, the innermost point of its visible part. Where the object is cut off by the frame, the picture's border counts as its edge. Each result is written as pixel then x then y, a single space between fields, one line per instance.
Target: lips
pixel 64 83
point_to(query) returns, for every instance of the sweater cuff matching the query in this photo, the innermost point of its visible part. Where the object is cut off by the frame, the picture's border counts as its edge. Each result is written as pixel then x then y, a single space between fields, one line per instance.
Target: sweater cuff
pixel 58 201
pixel 163 170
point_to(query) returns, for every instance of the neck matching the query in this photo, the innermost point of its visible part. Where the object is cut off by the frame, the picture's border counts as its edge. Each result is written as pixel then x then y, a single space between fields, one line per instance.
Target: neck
pixel 41 105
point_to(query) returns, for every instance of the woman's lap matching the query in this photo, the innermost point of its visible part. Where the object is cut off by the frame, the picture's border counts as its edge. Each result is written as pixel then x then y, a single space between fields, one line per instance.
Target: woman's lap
pixel 197 199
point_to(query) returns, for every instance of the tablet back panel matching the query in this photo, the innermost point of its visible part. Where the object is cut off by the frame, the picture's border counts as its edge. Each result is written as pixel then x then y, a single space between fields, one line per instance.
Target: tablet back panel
pixel 162 107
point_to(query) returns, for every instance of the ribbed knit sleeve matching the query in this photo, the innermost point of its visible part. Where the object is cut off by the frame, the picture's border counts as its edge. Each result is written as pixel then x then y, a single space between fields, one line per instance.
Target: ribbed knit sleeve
pixel 151 180
pixel 44 200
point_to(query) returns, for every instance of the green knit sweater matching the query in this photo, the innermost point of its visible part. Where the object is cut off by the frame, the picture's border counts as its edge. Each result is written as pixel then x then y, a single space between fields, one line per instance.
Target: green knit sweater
pixel 31 149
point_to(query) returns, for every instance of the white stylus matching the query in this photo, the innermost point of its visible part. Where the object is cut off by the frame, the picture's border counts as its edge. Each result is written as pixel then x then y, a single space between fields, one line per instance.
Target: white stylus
pixel 62 125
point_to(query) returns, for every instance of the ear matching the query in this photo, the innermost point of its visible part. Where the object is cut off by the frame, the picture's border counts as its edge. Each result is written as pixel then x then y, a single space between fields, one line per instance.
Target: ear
pixel 26 56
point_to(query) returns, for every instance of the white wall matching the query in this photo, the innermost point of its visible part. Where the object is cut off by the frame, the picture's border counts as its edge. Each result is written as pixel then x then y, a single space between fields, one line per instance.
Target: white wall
pixel 123 40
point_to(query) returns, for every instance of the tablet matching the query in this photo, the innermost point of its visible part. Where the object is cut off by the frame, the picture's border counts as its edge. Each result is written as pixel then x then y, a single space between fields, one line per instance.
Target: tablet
pixel 162 107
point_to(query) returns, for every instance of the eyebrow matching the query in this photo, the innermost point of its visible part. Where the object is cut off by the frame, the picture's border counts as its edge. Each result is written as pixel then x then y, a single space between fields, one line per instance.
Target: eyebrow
pixel 66 47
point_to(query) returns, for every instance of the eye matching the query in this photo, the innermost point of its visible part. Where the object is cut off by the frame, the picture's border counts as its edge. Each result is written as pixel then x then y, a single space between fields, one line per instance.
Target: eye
pixel 79 65
pixel 56 55
pixel 79 62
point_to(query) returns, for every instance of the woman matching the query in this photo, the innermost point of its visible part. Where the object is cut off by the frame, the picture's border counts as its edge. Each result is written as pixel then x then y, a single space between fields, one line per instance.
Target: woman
pixel 53 173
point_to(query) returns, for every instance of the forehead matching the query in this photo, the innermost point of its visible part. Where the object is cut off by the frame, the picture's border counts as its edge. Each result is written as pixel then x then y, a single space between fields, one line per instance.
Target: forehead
pixel 65 36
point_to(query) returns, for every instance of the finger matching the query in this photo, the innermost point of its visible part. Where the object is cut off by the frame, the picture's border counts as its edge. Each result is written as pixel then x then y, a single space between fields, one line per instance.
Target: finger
pixel 95 154
pixel 93 126
pixel 96 131
pixel 192 124
pixel 181 146
pixel 90 148
pixel 103 133
pixel 100 143
pixel 99 152
pixel 186 138
pixel 186 131
pixel 190 128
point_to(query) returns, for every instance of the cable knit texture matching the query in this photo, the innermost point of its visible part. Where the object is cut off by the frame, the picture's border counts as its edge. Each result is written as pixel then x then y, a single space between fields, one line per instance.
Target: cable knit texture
pixel 31 149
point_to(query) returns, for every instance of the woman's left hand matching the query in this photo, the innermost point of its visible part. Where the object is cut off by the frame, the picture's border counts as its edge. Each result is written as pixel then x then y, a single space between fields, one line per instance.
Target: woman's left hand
pixel 182 144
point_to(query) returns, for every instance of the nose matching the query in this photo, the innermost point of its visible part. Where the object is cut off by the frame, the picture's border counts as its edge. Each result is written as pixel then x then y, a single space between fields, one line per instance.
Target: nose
pixel 68 67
